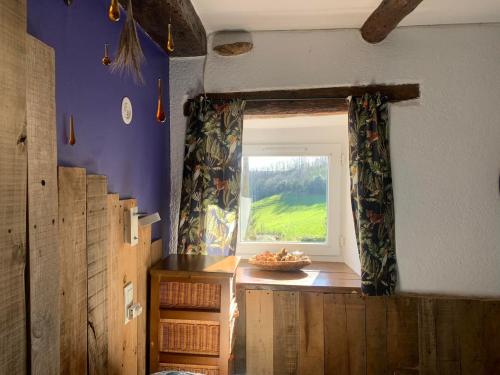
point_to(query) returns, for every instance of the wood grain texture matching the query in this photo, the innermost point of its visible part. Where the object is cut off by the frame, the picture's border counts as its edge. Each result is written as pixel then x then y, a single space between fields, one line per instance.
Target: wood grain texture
pixel 336 343
pixel 447 341
pixel 311 334
pixel 385 19
pixel 286 332
pixel 469 318
pixel 402 335
pixel 427 336
pixel 156 251
pixel 376 335
pixel 240 344
pixel 259 340
pixel 187 29
pixel 143 262
pixel 491 336
pixel 356 333
pixel 122 269
pixel 97 243
pixel 73 270
pixel 13 180
pixel 42 208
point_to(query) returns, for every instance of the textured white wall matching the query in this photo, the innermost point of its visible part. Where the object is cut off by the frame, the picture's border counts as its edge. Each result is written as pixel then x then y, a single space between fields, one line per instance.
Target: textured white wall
pixel 185 82
pixel 445 146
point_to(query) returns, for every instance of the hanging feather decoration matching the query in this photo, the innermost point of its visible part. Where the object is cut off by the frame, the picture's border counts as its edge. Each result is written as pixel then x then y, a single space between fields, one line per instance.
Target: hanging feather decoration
pixel 130 56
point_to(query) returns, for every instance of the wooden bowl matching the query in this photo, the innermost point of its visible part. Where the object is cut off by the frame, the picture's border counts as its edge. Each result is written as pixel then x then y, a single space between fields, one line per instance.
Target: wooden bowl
pixel 280 266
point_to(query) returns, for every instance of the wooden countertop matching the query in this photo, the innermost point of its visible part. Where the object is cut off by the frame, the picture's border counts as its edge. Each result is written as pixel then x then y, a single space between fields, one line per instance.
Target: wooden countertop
pixel 197 264
pixel 319 276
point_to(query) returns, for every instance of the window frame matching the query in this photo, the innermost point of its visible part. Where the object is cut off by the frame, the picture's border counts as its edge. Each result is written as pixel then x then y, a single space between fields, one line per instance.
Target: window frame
pixel 328 249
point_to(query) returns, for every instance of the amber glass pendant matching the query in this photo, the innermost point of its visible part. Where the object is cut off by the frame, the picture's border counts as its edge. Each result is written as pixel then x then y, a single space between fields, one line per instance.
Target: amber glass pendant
pixel 170 40
pixel 72 139
pixel 160 112
pixel 114 11
pixel 106 60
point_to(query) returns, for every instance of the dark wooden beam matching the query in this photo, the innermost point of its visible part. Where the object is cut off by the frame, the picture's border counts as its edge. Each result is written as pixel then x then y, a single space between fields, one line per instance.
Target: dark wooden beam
pixel 385 19
pixel 323 100
pixel 188 32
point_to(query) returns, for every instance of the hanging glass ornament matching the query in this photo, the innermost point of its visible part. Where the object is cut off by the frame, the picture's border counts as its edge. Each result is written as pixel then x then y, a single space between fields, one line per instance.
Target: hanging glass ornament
pixel 160 112
pixel 170 40
pixel 106 60
pixel 72 139
pixel 114 11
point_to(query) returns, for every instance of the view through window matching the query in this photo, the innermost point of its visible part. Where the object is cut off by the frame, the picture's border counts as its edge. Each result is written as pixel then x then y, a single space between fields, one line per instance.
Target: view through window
pixel 284 199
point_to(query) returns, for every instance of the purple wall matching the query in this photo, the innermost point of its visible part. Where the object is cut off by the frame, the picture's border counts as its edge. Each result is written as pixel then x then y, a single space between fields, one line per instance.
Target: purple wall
pixel 136 158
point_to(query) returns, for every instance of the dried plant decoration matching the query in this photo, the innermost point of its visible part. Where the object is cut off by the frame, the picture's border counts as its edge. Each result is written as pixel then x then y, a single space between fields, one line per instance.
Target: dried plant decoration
pixel 130 56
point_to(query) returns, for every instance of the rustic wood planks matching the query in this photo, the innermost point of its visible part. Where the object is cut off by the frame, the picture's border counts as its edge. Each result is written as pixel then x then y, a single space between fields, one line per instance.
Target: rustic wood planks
pixel 372 335
pixel 42 208
pixel 122 269
pixel 97 334
pixel 259 341
pixel 286 332
pixel 73 270
pixel 13 180
pixel 143 262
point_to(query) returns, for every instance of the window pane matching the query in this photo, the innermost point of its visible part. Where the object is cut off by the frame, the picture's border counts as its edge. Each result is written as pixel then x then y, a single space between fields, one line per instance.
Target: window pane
pixel 284 199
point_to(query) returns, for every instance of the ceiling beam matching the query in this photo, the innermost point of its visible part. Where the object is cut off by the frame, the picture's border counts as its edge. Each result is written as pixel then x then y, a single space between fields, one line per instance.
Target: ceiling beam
pixel 385 19
pixel 189 35
pixel 324 100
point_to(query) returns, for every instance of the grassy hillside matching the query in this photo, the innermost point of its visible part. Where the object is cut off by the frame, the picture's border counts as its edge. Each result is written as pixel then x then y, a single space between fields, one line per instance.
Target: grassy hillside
pixel 289 217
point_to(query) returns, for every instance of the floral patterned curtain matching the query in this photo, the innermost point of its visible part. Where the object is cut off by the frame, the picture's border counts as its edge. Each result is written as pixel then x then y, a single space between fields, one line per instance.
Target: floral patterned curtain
pixel 371 193
pixel 211 181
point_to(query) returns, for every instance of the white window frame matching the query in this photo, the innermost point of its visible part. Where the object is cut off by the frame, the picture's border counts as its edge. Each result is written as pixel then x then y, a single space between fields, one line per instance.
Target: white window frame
pixel 329 249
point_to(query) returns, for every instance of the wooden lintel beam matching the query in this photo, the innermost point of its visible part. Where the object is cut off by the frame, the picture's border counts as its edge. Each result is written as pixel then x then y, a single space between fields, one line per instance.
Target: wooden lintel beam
pixel 385 19
pixel 312 101
pixel 188 32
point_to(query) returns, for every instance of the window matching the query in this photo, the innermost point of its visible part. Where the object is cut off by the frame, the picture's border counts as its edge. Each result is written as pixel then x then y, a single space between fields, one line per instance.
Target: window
pixel 290 197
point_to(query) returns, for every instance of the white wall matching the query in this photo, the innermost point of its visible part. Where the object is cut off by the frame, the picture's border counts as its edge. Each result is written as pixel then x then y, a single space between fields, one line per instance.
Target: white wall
pixel 445 146
pixel 186 81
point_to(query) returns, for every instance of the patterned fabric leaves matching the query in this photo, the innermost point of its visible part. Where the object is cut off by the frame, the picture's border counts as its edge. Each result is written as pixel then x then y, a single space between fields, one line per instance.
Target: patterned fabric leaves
pixel 371 193
pixel 211 181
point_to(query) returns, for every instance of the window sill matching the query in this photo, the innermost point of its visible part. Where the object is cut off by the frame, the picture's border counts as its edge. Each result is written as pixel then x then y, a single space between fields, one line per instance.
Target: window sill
pixel 333 277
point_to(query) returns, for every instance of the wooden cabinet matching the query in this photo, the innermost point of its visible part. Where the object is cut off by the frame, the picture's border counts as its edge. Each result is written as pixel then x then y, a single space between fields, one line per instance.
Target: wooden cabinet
pixel 193 312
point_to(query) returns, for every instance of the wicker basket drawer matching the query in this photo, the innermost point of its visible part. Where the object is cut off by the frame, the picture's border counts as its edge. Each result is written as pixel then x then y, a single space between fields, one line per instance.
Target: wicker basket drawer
pixel 203 296
pixel 197 369
pixel 189 336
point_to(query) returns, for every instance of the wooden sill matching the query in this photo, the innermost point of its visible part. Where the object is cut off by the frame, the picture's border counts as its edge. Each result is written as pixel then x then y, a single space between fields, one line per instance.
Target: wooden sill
pixel 334 277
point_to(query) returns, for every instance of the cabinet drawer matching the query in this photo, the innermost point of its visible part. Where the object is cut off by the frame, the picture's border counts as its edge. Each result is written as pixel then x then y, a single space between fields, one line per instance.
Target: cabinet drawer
pixel 189 336
pixel 186 295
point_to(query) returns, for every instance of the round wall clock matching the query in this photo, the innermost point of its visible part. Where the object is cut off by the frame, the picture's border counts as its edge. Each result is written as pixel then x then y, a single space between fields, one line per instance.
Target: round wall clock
pixel 126 111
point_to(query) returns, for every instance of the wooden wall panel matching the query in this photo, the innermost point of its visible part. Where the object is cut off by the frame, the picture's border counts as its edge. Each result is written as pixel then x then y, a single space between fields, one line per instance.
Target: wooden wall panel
pixel 356 333
pixel 311 345
pixel 402 335
pixel 73 270
pixel 259 341
pixel 42 208
pixel 376 335
pixel 286 332
pixel 336 343
pixel 143 262
pixel 13 164
pixel 97 334
pixel 122 269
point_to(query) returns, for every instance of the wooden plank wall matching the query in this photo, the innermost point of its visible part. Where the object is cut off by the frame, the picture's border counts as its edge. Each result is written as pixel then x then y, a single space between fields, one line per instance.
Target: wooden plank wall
pixel 42 208
pixel 337 334
pixel 13 164
pixel 122 269
pixel 97 243
pixel 73 269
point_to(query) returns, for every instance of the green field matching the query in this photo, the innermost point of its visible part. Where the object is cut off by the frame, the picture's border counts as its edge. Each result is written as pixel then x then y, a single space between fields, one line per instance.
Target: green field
pixel 288 217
